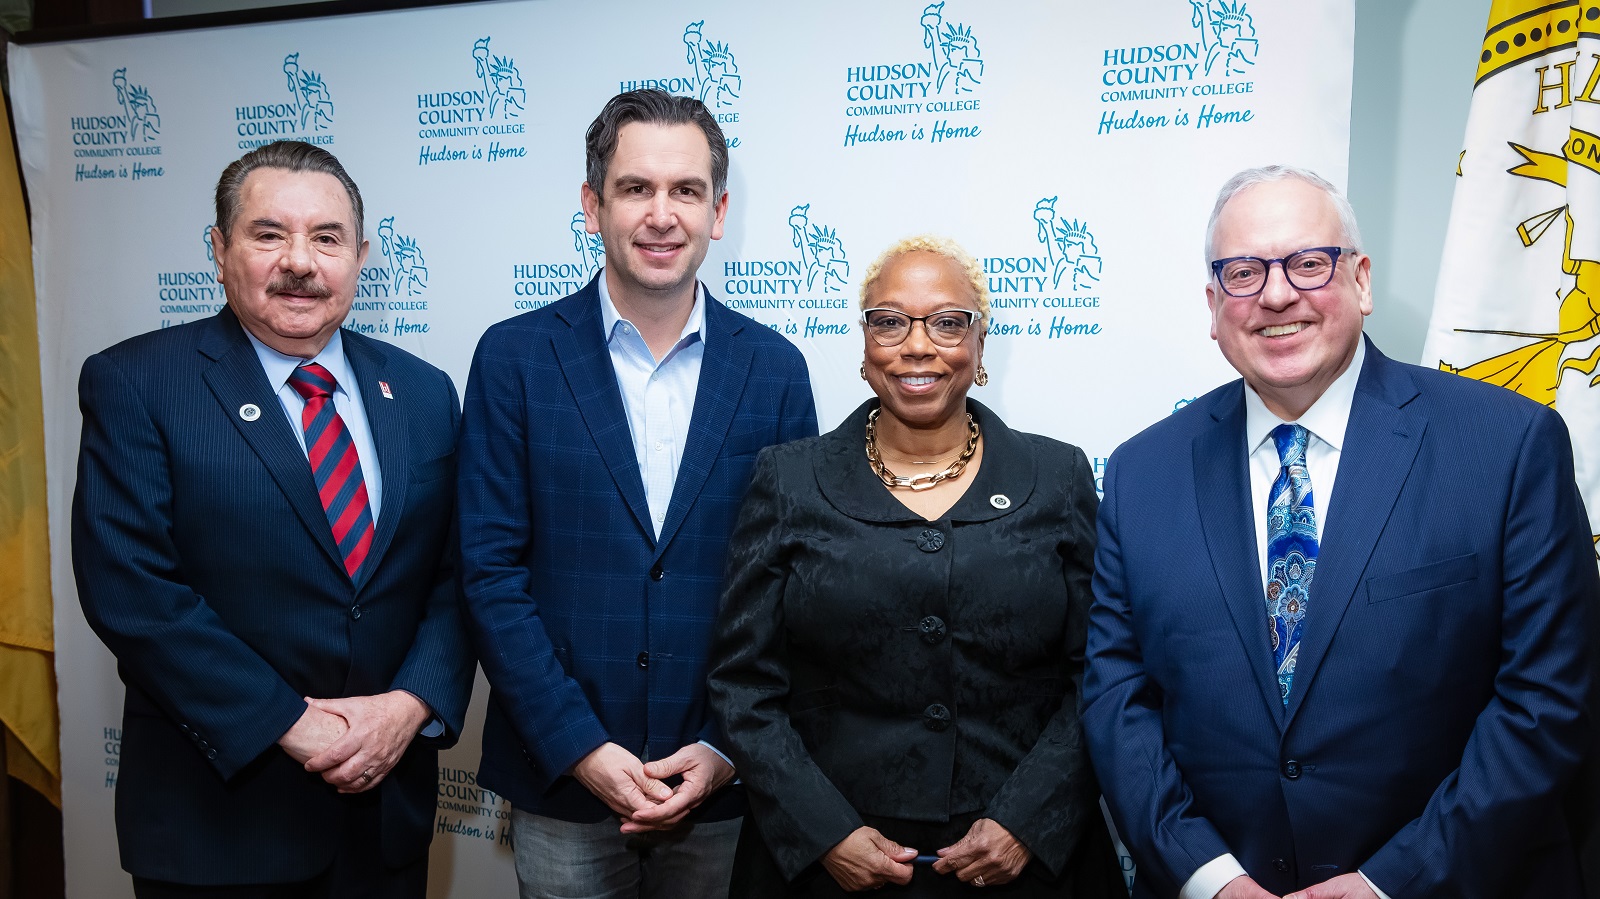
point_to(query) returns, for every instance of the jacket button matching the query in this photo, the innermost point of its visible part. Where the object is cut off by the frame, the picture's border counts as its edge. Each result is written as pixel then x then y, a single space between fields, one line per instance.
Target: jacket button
pixel 657 573
pixel 936 718
pixel 355 611
pixel 932 628
pixel 1291 769
pixel 643 660
pixel 930 541
pixel 1280 865
pixel 211 753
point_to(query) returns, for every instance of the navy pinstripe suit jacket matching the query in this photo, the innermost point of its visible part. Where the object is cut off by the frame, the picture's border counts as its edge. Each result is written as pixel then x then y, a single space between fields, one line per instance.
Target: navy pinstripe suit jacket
pixel 589 627
pixel 205 562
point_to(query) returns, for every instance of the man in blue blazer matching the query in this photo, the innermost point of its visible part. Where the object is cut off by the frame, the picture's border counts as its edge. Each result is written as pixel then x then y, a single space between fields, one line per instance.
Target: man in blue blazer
pixel 262 536
pixel 608 439
pixel 1341 642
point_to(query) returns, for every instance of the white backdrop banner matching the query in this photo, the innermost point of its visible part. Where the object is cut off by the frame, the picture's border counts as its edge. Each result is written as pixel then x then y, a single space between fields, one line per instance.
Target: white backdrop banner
pixel 1074 148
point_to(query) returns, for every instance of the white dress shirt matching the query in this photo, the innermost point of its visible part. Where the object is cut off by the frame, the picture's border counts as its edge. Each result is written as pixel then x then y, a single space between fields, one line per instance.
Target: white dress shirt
pixel 1326 421
pixel 346 401
pixel 657 396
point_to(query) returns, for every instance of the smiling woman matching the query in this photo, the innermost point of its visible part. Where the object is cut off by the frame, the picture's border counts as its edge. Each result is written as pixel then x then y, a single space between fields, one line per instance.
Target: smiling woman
pixel 902 628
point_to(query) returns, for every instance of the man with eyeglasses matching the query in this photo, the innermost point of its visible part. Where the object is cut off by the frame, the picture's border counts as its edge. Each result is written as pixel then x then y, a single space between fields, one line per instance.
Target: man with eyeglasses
pixel 1344 607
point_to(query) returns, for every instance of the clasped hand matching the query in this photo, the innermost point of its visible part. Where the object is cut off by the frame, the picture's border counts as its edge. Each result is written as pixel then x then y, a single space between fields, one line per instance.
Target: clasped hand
pixel 354 742
pixel 636 790
pixel 1345 886
pixel 866 859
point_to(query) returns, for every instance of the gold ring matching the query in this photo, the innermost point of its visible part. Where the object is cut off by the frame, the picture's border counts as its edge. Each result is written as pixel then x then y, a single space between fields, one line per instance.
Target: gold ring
pixel 367 774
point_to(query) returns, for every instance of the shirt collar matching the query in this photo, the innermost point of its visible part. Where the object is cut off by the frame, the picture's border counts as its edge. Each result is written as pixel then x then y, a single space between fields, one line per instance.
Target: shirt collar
pixel 609 316
pixel 1327 417
pixel 279 366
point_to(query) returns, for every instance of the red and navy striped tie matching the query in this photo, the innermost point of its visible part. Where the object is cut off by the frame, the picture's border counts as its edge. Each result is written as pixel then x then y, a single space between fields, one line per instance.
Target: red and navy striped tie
pixel 335 466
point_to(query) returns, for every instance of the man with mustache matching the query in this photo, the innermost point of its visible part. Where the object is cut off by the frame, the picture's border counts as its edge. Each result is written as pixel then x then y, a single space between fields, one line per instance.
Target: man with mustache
pixel 607 442
pixel 262 535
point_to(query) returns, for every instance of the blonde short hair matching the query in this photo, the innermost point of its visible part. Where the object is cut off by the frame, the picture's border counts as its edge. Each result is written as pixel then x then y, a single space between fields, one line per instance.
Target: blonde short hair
pixel 943 246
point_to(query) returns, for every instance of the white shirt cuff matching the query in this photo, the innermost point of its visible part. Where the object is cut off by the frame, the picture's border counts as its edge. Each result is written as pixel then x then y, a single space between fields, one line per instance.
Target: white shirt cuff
pixel 1381 893
pixel 1212 876
pixel 740 780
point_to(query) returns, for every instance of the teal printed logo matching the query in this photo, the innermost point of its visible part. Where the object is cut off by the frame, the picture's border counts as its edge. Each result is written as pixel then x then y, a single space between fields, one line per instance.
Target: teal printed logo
pixel 1047 293
pixel 485 110
pixel 945 83
pixel 307 114
pixel 408 271
pixel 1228 34
pixel 1070 245
pixel 538 284
pixel 143 123
pixel 591 249
pixel 807 285
pixel 821 252
pixel 312 101
pixel 713 78
pixel 502 82
pixel 715 69
pixel 119 136
pixel 1184 70
pixel 186 295
pixel 956 57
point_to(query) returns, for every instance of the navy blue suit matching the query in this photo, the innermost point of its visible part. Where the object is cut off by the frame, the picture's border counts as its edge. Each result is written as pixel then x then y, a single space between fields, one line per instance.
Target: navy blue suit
pixel 590 628
pixel 205 562
pixel 1441 702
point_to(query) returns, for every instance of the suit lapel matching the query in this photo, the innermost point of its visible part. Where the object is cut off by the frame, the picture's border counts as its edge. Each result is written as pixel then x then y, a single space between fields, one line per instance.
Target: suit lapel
pixel 1381 443
pixel 724 367
pixel 386 419
pixel 586 363
pixel 235 378
pixel 1222 487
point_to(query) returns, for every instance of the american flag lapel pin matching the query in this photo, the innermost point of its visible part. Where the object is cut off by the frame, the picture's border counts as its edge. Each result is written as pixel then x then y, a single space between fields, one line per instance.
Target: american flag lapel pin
pixel 387 393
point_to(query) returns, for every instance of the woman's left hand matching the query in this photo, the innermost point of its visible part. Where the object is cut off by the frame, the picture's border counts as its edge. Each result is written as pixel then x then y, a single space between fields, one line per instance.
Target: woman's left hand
pixel 988 851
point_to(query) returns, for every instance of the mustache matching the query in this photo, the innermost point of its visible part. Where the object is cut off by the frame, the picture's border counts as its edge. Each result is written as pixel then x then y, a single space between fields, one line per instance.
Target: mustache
pixel 307 286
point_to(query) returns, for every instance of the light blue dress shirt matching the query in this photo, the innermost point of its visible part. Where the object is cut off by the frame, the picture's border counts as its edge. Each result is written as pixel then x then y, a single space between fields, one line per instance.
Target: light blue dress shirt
pixel 658 396
pixel 346 400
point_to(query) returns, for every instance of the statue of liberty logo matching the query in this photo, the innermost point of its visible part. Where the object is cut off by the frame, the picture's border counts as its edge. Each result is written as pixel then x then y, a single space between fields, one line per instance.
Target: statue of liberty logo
pixel 311 98
pixel 821 252
pixel 1071 247
pixel 956 56
pixel 589 246
pixel 1228 33
pixel 407 267
pixel 716 72
pixel 501 81
pixel 140 110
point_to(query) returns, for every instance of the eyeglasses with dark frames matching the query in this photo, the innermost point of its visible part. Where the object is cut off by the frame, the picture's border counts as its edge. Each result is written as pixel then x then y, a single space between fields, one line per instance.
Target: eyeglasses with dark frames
pixel 1309 269
pixel 891 327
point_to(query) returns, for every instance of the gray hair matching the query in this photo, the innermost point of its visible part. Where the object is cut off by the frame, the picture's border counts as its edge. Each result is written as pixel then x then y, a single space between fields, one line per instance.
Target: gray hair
pixel 651 107
pixel 1251 177
pixel 290 156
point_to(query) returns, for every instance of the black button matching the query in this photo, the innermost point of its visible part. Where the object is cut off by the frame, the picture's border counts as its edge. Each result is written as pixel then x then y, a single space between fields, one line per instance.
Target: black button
pixel 355 611
pixel 936 718
pixel 644 660
pixel 657 573
pixel 211 753
pixel 930 541
pixel 1291 769
pixel 932 628
pixel 1280 865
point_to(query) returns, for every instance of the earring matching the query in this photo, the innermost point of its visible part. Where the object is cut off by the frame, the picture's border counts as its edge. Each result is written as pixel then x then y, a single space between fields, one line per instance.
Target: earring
pixel 863 371
pixel 982 377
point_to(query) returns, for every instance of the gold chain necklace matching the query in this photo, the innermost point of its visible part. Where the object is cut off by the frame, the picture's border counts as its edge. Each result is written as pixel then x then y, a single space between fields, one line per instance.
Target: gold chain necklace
pixel 919 482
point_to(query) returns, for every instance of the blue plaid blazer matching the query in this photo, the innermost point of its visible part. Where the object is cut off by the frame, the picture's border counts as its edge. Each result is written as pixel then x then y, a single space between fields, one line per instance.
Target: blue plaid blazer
pixel 592 629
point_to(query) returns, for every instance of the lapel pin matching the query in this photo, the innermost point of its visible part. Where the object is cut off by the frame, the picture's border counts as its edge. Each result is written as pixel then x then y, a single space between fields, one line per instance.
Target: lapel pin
pixel 384 387
pixel 249 412
pixel 1000 501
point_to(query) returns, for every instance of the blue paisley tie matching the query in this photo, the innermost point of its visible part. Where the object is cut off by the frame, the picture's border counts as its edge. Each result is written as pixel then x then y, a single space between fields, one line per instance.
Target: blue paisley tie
pixel 1291 551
